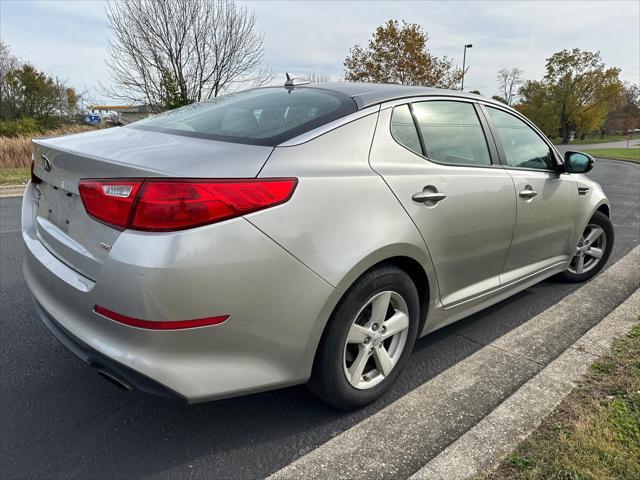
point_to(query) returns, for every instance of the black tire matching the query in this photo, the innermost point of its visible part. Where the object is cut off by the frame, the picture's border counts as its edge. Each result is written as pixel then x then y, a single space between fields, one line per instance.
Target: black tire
pixel 328 380
pixel 601 220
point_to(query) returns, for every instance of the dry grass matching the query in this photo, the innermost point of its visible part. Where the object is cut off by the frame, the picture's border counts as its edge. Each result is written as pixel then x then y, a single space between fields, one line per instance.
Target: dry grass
pixel 15 152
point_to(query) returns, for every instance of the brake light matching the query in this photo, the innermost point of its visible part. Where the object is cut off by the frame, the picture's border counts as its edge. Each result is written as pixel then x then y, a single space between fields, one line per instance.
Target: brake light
pixel 160 205
pixel 110 201
pixel 158 325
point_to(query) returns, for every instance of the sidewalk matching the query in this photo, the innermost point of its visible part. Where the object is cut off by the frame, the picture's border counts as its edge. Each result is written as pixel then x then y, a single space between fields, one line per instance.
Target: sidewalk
pixel 12 190
pixel 500 432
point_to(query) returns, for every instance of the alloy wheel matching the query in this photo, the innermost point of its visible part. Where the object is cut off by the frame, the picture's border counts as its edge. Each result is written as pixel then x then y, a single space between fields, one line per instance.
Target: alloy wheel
pixel 590 250
pixel 376 340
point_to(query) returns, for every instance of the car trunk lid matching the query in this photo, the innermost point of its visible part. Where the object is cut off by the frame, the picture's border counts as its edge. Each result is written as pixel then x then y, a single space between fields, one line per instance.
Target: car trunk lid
pixel 60 220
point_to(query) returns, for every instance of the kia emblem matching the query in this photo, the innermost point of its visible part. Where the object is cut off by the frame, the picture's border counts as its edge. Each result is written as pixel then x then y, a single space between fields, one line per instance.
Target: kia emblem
pixel 46 163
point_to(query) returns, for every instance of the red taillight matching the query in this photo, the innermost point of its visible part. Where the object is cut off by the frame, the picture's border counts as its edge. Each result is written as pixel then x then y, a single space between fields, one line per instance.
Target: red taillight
pixel 158 325
pixel 110 201
pixel 178 204
pixel 166 204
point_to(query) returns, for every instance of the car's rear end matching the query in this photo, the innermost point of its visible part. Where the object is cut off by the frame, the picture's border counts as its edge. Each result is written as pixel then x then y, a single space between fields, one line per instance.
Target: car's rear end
pixel 141 261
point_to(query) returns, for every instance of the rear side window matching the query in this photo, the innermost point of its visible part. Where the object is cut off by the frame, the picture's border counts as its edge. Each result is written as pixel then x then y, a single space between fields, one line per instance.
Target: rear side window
pixel 523 147
pixel 452 133
pixel 404 130
pixel 266 116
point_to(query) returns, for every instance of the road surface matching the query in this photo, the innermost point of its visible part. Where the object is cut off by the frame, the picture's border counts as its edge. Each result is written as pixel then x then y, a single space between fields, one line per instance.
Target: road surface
pixel 58 419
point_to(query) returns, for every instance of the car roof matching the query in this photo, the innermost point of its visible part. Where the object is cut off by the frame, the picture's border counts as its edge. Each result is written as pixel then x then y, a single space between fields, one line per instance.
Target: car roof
pixel 367 94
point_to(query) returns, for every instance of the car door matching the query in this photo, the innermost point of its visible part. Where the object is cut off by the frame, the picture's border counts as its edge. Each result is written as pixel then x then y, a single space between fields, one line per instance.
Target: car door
pixel 546 198
pixel 435 157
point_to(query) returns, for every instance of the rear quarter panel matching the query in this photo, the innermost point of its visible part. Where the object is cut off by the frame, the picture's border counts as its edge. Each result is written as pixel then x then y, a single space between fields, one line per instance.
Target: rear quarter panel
pixel 342 218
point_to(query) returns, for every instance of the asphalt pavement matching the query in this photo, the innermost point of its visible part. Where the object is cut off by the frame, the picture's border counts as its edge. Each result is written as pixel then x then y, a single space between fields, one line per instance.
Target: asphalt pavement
pixel 58 419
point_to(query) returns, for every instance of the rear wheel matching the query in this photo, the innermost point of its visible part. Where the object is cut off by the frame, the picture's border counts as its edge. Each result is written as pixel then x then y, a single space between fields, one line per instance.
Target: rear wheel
pixel 368 339
pixel 592 251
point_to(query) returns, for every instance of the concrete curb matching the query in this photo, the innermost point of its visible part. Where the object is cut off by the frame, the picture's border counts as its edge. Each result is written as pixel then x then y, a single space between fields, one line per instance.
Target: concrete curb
pixel 403 437
pixel 499 433
pixel 12 190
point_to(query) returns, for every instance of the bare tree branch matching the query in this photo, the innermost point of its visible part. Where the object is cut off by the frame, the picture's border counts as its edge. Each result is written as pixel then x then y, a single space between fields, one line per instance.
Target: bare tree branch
pixel 509 81
pixel 314 77
pixel 168 53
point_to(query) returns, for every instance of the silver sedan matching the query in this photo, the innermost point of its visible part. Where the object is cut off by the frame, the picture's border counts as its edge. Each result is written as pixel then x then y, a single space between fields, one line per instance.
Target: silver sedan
pixel 298 234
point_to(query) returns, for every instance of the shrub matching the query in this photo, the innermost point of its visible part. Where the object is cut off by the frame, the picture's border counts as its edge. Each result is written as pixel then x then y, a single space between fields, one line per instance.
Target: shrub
pixel 20 127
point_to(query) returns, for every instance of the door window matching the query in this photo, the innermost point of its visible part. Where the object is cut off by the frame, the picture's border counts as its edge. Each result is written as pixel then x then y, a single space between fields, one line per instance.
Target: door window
pixel 404 130
pixel 523 147
pixel 452 133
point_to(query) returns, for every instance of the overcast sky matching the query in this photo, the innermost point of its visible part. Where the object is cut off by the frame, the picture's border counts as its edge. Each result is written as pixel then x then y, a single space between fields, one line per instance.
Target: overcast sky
pixel 68 38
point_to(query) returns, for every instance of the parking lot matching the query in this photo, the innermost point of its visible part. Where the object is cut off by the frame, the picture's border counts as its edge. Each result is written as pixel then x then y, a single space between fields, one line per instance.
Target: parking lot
pixel 58 419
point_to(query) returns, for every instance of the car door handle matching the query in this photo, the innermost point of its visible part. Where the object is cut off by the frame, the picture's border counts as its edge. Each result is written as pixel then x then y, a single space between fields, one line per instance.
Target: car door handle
pixel 528 193
pixel 427 196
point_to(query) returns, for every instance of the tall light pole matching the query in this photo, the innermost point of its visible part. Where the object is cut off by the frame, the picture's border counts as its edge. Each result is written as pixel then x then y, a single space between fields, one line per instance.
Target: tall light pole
pixel 464 61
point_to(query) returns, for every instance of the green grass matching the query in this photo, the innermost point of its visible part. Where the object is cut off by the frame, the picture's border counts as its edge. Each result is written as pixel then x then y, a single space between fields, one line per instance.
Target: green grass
pixel 594 434
pixel 593 139
pixel 14 176
pixel 631 153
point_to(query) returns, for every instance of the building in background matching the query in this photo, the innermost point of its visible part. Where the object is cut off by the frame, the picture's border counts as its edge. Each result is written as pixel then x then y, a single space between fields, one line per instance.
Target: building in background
pixel 120 114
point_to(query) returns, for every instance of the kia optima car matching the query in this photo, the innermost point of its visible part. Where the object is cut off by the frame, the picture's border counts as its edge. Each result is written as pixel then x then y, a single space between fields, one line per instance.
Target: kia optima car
pixel 298 234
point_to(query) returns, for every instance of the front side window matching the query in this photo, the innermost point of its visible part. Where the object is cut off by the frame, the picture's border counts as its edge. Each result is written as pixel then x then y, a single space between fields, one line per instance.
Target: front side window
pixel 523 147
pixel 404 130
pixel 452 133
pixel 265 116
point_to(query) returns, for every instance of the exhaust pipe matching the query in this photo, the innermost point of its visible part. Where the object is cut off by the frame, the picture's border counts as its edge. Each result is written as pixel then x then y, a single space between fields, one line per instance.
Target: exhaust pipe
pixel 111 378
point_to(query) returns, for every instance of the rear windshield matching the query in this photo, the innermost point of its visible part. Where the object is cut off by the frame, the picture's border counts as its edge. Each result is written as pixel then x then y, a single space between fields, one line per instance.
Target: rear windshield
pixel 265 116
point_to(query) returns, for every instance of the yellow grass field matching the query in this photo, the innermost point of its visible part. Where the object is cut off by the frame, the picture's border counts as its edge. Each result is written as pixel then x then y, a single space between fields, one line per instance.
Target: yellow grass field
pixel 15 152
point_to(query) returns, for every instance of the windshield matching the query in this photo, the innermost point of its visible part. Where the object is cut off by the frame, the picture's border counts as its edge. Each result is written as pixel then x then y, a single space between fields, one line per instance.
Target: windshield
pixel 266 116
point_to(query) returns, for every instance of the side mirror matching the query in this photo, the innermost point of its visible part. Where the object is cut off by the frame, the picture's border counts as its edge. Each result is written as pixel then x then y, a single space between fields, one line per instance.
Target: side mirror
pixel 578 162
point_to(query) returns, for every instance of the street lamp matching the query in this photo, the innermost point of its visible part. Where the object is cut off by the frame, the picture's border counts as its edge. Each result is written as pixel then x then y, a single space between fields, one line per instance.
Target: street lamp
pixel 464 60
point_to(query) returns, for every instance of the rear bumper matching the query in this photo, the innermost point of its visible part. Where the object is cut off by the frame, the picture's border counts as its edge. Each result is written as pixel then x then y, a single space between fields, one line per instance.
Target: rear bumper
pixel 127 377
pixel 277 307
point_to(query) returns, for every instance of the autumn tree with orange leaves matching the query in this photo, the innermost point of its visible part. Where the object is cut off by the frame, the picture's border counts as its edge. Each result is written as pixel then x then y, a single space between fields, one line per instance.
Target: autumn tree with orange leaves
pixel 398 53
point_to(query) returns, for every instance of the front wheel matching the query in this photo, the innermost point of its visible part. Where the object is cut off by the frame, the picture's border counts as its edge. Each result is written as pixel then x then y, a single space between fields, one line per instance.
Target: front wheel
pixel 368 339
pixel 592 251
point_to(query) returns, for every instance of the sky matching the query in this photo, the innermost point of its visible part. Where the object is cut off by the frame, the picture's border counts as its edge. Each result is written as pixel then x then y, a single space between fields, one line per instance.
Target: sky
pixel 68 39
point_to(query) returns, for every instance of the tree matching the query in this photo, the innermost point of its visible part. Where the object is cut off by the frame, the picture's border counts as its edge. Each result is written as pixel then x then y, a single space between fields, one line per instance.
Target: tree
pixel 583 88
pixel 170 96
pixel 318 77
pixel 538 104
pixel 626 116
pixel 31 97
pixel 398 53
pixel 508 82
pixel 8 61
pixel 168 53
pixel 577 88
pixel 31 93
